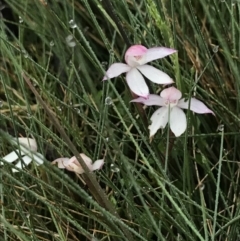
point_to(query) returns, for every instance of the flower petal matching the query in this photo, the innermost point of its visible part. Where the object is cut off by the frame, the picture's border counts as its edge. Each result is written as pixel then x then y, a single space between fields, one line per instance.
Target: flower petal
pixel 151 100
pixel 26 145
pixel 38 158
pixel 171 93
pixel 75 166
pixel 28 142
pixel 25 161
pixel 61 162
pixel 178 121
pixel 137 83
pixel 11 157
pixel 196 106
pixel 135 55
pixel 156 53
pixel 136 50
pixel 115 70
pixel 155 75
pixel 159 120
pixel 86 159
pixel 97 164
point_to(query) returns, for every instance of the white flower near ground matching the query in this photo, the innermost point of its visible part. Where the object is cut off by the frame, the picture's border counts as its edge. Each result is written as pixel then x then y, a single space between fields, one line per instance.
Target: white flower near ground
pixel 137 57
pixel 72 164
pixel 24 154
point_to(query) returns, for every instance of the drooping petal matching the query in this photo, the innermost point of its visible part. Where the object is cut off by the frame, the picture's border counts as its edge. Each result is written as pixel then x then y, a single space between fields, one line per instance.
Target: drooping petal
pixel 151 100
pixel 156 53
pixel 61 162
pixel 196 106
pixel 178 121
pixel 86 159
pixel 26 145
pixel 97 164
pixel 171 93
pixel 159 120
pixel 25 161
pixel 137 83
pixel 75 166
pixel 115 70
pixel 134 55
pixel 155 75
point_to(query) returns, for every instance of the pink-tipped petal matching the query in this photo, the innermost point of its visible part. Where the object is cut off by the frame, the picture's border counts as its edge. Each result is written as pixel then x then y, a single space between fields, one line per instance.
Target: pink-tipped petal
pixel 159 120
pixel 86 159
pixel 196 106
pixel 178 121
pixel 61 162
pixel 97 164
pixel 171 93
pixel 136 50
pixel 156 53
pixel 155 75
pixel 115 70
pixel 137 83
pixel 135 55
pixel 151 100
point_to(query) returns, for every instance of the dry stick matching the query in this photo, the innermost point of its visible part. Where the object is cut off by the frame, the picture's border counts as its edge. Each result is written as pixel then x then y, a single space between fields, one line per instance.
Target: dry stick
pixel 89 177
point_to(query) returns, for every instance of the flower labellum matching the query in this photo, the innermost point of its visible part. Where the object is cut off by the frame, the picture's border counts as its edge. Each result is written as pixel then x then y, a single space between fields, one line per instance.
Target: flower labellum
pixel 136 58
pixel 170 101
pixel 27 151
pixel 72 164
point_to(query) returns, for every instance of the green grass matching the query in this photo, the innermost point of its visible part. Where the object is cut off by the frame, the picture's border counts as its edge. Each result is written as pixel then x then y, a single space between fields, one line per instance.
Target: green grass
pixel 183 188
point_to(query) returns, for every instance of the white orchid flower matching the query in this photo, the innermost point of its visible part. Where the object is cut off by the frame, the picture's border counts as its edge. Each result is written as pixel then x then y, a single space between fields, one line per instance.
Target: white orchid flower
pixel 72 164
pixel 136 58
pixel 26 153
pixel 170 100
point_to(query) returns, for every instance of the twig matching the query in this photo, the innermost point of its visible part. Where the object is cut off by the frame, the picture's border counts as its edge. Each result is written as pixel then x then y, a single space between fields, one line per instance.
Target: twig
pixel 89 177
